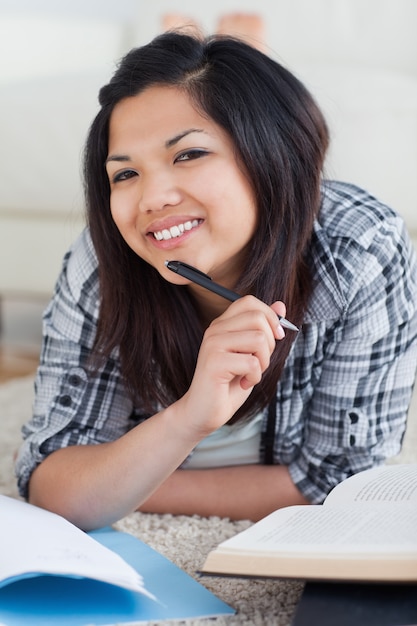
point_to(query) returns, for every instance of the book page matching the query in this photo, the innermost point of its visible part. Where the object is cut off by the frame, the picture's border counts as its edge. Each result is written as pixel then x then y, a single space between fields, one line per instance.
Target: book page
pixel 317 529
pixel 34 541
pixel 390 486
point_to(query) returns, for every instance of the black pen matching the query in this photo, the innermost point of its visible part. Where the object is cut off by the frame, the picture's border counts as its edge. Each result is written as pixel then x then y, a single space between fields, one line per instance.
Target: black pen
pixel 193 274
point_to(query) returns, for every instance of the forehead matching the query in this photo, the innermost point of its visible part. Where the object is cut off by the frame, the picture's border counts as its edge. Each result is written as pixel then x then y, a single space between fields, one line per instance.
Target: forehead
pixel 158 109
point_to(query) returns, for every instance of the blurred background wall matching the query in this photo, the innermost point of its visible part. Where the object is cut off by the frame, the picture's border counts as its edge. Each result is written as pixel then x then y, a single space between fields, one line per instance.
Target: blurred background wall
pixel 358 57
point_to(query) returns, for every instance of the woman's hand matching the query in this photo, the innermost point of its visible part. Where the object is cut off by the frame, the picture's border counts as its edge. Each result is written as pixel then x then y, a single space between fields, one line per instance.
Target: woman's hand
pixel 235 351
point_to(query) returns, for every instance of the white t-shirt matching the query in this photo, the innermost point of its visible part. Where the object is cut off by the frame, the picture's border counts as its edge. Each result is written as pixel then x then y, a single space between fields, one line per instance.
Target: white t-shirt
pixel 235 444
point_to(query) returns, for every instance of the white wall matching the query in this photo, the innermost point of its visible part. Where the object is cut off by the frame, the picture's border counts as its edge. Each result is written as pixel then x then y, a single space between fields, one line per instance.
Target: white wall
pixel 359 58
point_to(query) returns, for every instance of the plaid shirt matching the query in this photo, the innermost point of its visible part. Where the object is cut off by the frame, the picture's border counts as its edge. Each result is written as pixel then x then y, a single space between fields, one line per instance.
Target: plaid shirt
pixel 343 397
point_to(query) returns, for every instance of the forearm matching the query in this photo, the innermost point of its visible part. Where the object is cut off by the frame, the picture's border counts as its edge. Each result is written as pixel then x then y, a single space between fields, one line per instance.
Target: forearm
pixel 95 485
pixel 238 492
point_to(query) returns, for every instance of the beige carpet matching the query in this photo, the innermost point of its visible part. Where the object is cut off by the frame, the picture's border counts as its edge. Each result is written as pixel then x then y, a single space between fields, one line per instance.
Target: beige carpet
pixel 184 540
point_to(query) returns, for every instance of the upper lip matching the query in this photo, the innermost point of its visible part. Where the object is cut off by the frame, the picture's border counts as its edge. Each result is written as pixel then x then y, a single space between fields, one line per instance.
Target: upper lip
pixel 169 222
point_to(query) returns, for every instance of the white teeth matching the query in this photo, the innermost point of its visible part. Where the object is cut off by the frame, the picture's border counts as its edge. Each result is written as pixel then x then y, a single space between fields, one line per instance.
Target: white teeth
pixel 175 231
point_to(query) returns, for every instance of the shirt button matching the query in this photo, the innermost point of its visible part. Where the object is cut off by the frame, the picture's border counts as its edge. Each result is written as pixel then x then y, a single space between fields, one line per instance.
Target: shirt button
pixel 74 380
pixel 354 418
pixel 352 440
pixel 65 401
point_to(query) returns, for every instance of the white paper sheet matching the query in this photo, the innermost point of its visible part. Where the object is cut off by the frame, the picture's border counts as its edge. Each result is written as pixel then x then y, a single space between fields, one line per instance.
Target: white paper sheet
pixel 34 541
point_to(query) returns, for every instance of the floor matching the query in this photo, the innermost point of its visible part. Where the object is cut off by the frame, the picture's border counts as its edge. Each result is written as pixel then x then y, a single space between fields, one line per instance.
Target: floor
pixel 20 338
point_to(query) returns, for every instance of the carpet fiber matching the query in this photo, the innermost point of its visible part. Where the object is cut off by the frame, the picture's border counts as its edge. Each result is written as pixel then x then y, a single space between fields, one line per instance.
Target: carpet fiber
pixel 184 540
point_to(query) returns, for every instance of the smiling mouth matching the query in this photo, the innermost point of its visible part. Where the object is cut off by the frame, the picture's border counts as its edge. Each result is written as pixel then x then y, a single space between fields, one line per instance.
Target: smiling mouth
pixel 176 231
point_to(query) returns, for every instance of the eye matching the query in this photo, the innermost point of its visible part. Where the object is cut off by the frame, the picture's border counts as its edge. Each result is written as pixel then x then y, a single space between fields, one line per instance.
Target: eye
pixel 190 155
pixel 124 175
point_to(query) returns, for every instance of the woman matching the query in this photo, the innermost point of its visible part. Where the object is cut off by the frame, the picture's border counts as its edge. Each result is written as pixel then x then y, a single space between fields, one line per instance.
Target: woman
pixel 156 394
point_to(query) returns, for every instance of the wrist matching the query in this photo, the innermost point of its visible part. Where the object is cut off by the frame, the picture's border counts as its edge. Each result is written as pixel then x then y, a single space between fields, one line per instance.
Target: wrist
pixel 181 427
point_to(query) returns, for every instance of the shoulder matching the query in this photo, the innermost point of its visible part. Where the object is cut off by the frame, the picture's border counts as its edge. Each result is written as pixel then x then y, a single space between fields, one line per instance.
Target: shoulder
pixel 356 237
pixel 82 259
pixel 349 212
pixel 79 275
pixel 73 310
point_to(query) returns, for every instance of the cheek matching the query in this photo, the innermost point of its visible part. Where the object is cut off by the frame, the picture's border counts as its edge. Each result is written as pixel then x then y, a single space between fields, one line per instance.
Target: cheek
pixel 116 217
pixel 227 187
pixel 125 222
pixel 121 210
pixel 241 207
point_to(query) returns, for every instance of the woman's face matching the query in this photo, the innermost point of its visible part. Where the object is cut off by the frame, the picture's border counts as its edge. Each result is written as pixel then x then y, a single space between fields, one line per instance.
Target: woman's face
pixel 177 192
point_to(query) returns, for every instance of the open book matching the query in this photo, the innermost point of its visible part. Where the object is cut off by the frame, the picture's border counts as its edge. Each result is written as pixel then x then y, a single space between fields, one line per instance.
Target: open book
pixel 365 530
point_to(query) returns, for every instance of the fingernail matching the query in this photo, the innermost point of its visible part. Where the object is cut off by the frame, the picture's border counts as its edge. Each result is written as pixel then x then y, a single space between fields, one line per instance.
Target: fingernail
pixel 280 331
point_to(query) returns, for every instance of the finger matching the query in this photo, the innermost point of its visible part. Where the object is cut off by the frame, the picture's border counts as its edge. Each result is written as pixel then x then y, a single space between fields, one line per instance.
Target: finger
pixel 255 342
pixel 250 303
pixel 235 366
pixel 249 313
pixel 279 308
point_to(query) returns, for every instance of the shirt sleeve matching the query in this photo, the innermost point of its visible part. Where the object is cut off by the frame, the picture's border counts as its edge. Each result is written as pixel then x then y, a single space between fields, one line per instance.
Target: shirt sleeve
pixel 75 402
pixel 356 416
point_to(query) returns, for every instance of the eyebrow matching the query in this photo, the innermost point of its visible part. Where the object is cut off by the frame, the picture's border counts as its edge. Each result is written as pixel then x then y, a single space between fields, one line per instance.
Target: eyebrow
pixel 171 142
pixel 122 158
pixel 117 157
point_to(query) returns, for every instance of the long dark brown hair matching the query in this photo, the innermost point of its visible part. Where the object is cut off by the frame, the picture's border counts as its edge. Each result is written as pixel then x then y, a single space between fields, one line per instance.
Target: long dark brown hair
pixel 280 137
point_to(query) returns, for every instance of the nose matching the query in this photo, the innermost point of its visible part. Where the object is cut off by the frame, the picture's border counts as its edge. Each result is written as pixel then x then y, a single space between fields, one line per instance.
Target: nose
pixel 158 191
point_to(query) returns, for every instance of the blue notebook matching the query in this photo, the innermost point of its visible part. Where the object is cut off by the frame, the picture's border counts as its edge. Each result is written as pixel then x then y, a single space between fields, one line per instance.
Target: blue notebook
pixel 47 600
